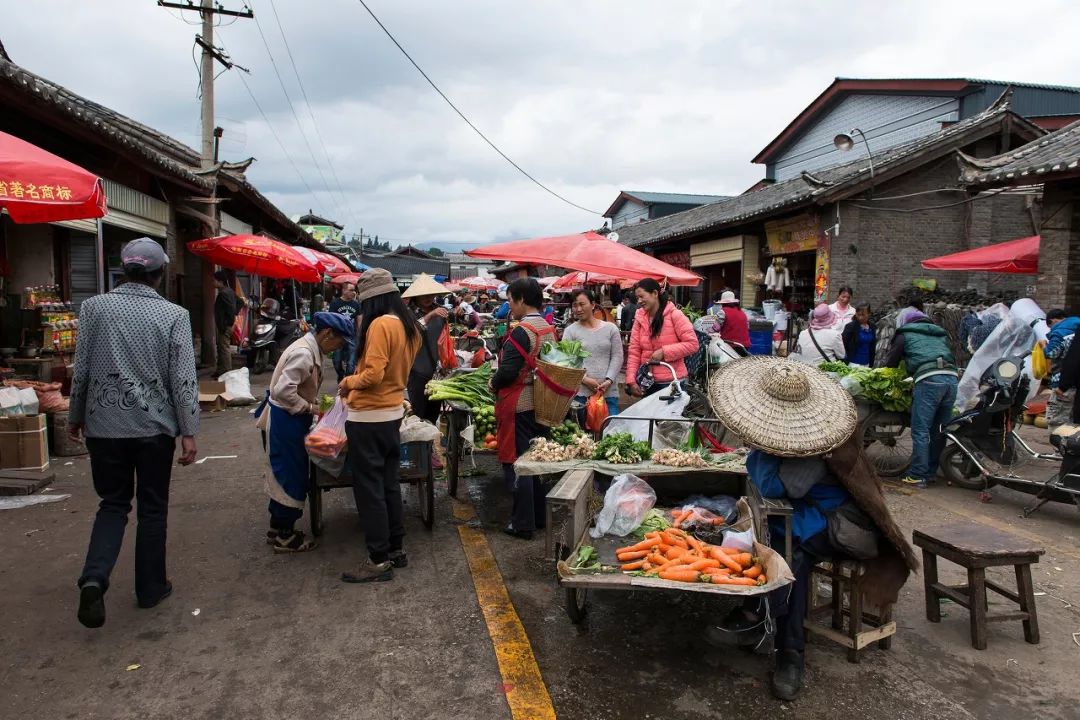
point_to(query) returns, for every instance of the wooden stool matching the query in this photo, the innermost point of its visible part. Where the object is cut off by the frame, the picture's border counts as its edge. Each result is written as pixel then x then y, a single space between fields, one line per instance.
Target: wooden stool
pixel 976 547
pixel 847 577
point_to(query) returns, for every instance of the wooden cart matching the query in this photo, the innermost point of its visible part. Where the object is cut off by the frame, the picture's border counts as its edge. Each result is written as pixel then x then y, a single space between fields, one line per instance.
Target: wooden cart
pixel 416 470
pixel 458 417
pixel 881 429
pixel 571 508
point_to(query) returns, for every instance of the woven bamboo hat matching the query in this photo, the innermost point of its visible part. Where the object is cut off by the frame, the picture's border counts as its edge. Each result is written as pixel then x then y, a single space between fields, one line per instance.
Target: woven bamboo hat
pixel 782 406
pixel 424 284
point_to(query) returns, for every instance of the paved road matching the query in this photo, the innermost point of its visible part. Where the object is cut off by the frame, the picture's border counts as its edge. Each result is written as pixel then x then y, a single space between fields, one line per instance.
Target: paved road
pixel 280 637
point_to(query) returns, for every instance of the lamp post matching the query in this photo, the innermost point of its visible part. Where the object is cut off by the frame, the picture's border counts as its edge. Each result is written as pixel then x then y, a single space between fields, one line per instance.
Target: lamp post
pixel 846 141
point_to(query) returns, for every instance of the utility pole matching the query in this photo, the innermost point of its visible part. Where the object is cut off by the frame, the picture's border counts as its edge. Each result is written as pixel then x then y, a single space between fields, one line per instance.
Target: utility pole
pixel 208 155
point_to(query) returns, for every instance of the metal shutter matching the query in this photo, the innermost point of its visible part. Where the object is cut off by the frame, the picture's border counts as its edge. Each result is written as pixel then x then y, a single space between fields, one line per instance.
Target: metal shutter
pixel 83 268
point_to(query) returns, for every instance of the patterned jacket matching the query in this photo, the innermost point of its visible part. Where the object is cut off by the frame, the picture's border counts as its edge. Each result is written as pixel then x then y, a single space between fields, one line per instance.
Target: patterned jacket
pixel 134 367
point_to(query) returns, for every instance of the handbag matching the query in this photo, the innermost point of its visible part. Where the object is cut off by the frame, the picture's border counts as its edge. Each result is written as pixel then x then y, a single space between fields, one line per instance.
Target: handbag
pixel 851 531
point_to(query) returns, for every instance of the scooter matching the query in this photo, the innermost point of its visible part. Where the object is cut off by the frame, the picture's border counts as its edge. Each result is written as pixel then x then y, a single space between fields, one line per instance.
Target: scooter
pixel 984 445
pixel 272 334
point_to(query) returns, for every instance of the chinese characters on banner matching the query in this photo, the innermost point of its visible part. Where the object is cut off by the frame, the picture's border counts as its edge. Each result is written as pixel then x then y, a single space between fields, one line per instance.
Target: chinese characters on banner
pixel 20 190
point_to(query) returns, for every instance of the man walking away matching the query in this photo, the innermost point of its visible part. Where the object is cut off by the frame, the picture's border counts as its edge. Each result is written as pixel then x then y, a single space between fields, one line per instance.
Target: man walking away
pixel 224 316
pixel 924 349
pixel 345 358
pixel 134 391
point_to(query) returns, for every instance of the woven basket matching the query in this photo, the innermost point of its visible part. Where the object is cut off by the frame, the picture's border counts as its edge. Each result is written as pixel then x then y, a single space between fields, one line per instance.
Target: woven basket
pixel 551 407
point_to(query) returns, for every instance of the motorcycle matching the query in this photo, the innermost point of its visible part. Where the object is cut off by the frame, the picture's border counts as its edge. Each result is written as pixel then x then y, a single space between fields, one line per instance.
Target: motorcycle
pixel 273 332
pixel 984 445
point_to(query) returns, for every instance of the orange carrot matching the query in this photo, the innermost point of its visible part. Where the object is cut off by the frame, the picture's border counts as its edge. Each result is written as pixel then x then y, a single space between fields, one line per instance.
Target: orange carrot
pixel 719 579
pixel 675 552
pixel 681 575
pixel 752 572
pixel 643 545
pixel 636 555
pixel 726 560
pixel 634 565
pixel 695 543
pixel 703 564
pixel 744 559
pixel 676 532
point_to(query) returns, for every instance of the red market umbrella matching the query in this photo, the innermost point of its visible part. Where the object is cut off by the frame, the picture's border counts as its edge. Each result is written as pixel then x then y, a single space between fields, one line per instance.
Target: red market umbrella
pixel 38 187
pixel 312 256
pixel 588 252
pixel 350 278
pixel 1019 257
pixel 479 283
pixel 452 286
pixel 580 279
pixel 259 256
pixel 331 264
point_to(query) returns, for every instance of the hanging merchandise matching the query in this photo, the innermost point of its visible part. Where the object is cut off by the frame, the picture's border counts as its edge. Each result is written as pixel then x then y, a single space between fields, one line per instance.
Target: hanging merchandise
pixel 777 277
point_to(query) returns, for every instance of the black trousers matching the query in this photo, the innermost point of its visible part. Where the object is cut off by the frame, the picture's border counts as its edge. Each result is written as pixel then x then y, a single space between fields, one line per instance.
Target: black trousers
pixel 528 492
pixel 790 604
pixel 126 468
pixel 375 457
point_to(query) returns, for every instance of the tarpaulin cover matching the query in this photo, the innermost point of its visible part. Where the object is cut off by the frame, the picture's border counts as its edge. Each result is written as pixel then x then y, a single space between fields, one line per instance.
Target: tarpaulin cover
pixel 1020 257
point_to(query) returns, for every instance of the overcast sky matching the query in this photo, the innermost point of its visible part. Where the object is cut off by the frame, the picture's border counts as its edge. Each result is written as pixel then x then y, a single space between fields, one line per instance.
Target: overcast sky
pixel 589 97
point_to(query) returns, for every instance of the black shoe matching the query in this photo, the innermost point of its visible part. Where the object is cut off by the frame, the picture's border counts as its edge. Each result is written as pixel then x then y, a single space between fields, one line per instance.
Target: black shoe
pixel 160 598
pixel 520 534
pixel 92 605
pixel 398 559
pixel 787 678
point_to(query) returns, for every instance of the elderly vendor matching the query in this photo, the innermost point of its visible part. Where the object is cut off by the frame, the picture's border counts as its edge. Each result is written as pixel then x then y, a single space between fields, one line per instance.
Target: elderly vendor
pixel 285 418
pixel 800 424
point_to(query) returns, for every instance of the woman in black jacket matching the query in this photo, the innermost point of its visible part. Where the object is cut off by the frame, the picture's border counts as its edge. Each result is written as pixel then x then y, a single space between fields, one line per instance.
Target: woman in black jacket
pixel 859 338
pixel 1070 377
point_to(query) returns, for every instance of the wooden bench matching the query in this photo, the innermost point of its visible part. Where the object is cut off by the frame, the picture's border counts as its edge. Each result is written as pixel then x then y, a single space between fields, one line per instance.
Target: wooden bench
pixel 863 627
pixel 976 547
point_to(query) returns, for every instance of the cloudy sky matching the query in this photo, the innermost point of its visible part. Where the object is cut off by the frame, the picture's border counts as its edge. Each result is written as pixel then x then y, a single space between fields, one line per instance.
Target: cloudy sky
pixel 589 97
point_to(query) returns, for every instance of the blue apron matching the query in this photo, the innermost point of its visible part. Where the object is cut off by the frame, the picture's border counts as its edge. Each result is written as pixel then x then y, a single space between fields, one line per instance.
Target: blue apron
pixel 288 456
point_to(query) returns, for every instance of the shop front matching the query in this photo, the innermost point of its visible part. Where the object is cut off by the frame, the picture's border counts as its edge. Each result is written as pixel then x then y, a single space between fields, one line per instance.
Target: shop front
pixel 798 270
pixel 728 264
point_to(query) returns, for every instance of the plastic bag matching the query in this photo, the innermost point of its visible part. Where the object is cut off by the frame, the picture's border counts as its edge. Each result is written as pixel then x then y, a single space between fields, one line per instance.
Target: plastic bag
pixel 413 429
pixel 1040 366
pixel 596 412
pixel 447 356
pixel 328 437
pixel 626 503
pixel 238 386
pixel 10 404
pixel 635 420
pixel 29 401
pixel 1014 336
pixel 742 540
pixel 723 506
pixel 49 399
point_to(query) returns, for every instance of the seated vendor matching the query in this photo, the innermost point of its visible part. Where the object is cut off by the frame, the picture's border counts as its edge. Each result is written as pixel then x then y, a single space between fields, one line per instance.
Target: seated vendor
pixel 801 426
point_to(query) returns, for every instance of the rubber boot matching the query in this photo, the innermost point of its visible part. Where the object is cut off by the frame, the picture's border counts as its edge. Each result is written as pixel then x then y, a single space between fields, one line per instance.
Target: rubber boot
pixel 787 678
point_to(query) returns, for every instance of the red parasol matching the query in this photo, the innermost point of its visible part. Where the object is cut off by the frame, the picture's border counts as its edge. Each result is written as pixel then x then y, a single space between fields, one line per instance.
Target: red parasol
pixel 575 280
pixel 259 256
pixel 589 252
pixel 38 187
pixel 345 278
pixel 1020 257
pixel 331 264
pixel 480 283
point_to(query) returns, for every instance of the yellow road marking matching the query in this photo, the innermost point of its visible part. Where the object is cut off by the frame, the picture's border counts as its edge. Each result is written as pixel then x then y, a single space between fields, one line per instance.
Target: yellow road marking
pixel 524 686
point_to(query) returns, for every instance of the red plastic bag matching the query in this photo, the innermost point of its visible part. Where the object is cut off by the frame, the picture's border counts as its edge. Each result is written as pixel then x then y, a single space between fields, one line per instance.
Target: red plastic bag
pixel 447 357
pixel 240 328
pixel 596 412
pixel 328 438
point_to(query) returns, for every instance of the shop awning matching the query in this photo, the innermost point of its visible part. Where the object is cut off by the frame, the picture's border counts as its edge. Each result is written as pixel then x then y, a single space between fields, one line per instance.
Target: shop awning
pixel 1020 257
pixel 588 252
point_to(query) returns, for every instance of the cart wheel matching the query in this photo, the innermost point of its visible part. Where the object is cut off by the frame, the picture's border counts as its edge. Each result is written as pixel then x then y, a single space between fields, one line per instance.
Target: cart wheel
pixel 453 455
pixel 577 604
pixel 425 491
pixel 886 455
pixel 315 510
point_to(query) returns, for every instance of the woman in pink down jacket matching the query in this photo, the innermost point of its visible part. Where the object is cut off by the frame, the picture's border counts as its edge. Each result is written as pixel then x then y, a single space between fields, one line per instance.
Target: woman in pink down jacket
pixel 661 332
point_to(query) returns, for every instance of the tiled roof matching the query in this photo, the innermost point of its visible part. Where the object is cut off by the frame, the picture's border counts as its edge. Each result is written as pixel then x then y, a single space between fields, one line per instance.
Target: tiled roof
pixel 405 266
pixel 820 186
pixel 1056 153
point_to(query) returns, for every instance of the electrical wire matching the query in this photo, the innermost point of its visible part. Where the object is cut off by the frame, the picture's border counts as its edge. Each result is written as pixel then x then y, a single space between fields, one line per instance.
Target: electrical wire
pixel 468 122
pixel 292 109
pixel 314 121
pixel 981 196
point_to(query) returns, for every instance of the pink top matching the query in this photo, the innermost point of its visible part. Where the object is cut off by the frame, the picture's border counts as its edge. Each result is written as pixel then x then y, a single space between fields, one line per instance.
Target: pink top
pixel 677 338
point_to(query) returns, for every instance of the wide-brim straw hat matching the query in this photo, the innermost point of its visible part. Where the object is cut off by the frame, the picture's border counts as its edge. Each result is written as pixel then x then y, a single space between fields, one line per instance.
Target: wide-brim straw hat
pixel 423 285
pixel 782 406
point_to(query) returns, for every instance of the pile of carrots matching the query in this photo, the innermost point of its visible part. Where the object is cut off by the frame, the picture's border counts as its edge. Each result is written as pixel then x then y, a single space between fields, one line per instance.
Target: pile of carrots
pixel 676 555
pixel 698 516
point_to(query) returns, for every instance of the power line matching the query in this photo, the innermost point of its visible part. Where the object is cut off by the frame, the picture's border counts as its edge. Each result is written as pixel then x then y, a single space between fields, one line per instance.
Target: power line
pixel 292 108
pixel 467 121
pixel 981 196
pixel 314 122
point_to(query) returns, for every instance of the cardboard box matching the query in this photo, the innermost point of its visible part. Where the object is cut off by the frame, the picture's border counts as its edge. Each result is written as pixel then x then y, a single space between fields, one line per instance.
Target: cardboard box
pixel 23 443
pixel 211 395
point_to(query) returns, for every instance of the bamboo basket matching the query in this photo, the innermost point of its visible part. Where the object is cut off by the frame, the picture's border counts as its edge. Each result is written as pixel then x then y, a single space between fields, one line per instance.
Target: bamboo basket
pixel 550 406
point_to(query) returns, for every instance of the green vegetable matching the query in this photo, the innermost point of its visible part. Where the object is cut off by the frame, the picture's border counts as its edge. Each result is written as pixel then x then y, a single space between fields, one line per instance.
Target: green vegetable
pixel 835 366
pixel 325 403
pixel 587 559
pixel 888 387
pixel 566 353
pixel 622 448
pixel 470 388
pixel 654 521
pixel 566 433
pixel 692 314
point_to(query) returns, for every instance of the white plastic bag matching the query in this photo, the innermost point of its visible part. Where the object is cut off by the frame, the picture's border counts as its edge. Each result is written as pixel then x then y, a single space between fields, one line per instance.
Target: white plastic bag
pixel 626 503
pixel 10 404
pixel 28 398
pixel 328 438
pixel 413 429
pixel 1013 336
pixel 238 386
pixel 634 420
pixel 744 540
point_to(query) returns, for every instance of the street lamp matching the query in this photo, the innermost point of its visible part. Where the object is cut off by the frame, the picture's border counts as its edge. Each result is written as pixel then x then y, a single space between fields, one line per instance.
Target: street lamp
pixel 846 141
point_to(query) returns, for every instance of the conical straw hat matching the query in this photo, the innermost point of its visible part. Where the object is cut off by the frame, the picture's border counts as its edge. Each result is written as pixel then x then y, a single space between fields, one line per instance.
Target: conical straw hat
pixel 781 406
pixel 424 284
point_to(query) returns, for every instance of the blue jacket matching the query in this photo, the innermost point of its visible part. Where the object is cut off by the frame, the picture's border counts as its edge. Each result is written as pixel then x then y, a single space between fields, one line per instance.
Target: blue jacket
pixel 504 311
pixel 808 520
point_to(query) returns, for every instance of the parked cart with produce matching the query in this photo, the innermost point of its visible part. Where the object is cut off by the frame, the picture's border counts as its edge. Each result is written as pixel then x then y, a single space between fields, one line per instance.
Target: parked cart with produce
pixel 467 402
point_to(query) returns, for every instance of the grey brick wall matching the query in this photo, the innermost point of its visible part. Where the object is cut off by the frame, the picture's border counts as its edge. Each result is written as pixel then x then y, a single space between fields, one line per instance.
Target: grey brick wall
pixel 1059 251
